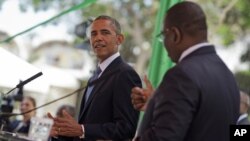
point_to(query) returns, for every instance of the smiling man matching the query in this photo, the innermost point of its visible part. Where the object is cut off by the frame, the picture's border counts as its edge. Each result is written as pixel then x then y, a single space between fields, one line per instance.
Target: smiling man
pixel 106 111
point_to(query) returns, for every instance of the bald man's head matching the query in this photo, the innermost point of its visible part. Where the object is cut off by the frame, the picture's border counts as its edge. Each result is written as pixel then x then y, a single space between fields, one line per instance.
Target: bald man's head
pixel 189 18
pixel 184 26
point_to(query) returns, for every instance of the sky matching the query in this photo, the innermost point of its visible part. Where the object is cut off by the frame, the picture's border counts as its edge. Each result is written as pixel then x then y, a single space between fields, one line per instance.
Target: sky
pixel 231 56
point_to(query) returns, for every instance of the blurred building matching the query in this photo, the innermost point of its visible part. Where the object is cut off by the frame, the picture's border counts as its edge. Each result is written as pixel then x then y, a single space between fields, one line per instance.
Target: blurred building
pixel 64 69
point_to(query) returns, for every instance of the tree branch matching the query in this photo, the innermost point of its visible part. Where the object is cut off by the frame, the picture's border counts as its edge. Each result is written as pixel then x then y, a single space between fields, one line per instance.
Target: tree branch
pixel 226 10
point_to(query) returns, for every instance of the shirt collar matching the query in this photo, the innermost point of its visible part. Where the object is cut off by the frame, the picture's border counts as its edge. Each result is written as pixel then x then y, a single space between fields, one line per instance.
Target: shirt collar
pixel 192 49
pixel 242 117
pixel 106 62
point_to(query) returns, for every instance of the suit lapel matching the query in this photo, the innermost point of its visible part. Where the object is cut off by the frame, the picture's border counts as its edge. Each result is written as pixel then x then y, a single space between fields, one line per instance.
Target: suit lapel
pixel 82 106
pixel 113 67
pixel 92 95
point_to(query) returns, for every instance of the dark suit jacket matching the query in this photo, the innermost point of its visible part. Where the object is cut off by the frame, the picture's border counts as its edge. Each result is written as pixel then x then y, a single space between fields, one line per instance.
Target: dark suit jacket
pixel 197 101
pixel 109 113
pixel 23 130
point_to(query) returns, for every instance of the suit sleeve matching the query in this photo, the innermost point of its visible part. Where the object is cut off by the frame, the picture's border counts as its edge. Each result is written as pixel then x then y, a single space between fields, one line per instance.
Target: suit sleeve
pixel 174 106
pixel 125 117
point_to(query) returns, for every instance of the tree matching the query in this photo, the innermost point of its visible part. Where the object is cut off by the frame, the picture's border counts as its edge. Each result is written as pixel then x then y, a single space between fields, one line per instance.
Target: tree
pixel 229 19
pixel 243 79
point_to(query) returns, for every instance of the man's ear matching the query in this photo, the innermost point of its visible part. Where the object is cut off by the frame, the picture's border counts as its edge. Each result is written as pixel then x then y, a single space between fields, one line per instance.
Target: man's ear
pixel 120 39
pixel 176 35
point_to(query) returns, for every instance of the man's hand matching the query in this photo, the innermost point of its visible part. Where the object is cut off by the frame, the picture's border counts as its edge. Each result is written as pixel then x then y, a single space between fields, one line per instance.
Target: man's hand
pixel 53 131
pixel 140 96
pixel 65 126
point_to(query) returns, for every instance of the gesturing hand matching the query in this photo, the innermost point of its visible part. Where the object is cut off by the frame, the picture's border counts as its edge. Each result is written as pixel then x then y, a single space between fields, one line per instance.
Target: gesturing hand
pixel 140 96
pixel 65 126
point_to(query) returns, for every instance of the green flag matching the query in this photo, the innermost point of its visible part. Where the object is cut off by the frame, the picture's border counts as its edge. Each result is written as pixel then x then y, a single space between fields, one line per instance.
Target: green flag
pixel 159 62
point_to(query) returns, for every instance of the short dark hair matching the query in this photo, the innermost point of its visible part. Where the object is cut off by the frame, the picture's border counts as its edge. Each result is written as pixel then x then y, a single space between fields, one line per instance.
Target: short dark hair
pixel 189 17
pixel 114 22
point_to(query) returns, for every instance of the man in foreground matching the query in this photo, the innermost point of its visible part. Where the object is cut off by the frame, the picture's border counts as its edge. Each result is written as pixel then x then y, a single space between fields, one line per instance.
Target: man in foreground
pixel 198 98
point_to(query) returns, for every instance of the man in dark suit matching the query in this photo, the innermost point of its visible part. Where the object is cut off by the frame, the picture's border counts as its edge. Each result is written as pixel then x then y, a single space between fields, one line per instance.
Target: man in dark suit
pixel 244 106
pixel 198 98
pixel 106 111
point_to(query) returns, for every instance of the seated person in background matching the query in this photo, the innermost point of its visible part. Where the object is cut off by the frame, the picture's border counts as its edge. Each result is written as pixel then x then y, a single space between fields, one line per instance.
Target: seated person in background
pixel 244 105
pixel 22 126
pixel 68 108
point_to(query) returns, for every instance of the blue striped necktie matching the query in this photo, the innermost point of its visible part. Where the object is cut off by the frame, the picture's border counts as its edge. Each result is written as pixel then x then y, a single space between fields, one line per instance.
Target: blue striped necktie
pixel 94 77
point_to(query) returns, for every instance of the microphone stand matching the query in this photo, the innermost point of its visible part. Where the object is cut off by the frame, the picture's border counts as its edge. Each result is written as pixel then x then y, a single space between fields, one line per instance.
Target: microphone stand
pixel 7 115
pixel 22 83
pixel 53 101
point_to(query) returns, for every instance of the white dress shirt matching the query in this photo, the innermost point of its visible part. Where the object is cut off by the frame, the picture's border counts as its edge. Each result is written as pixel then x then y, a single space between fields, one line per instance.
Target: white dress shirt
pixel 192 49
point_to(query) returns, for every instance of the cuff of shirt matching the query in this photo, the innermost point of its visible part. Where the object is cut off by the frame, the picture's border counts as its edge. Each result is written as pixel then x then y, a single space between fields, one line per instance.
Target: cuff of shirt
pixel 83 132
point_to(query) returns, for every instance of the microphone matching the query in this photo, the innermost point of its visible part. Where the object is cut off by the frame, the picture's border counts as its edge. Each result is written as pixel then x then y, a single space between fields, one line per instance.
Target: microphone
pixel 28 80
pixel 22 83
